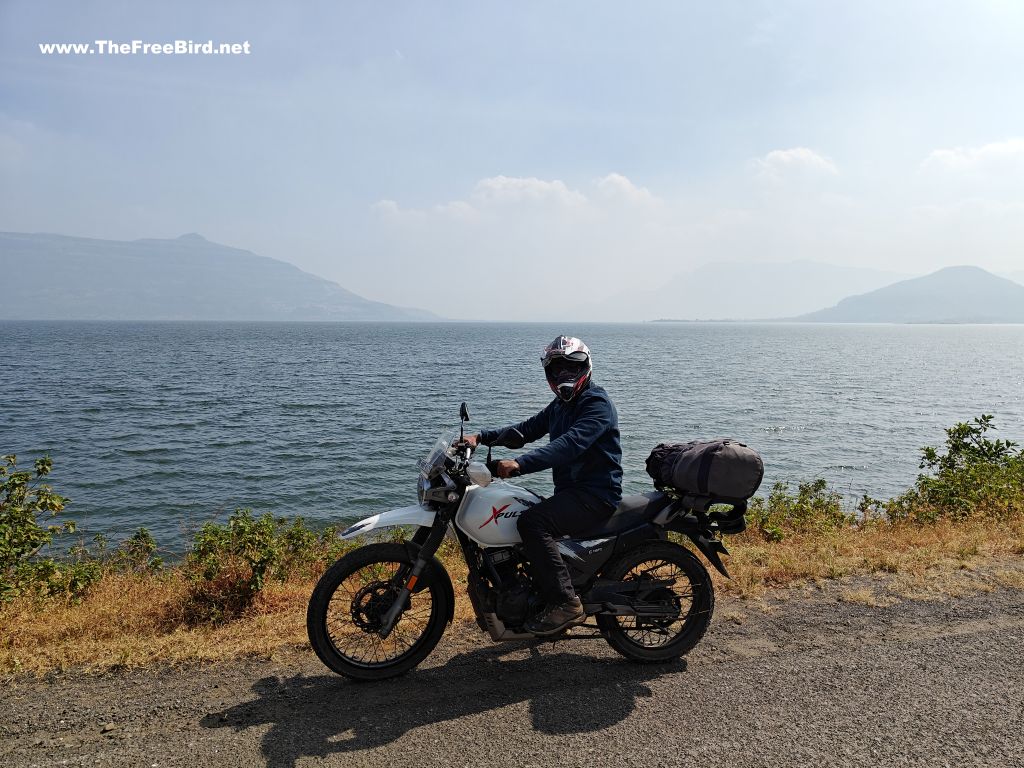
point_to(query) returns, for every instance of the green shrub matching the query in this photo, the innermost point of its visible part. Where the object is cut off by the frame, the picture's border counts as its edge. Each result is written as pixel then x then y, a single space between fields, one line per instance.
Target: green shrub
pixel 974 477
pixel 137 553
pixel 26 504
pixel 229 564
pixel 814 507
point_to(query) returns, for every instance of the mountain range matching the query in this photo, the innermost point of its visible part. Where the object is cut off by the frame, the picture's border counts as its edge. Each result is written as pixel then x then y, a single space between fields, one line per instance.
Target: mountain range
pixel 55 277
pixel 744 291
pixel 951 295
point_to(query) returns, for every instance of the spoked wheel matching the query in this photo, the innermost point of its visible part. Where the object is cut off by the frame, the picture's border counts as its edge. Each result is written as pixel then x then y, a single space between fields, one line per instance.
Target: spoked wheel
pixel 348 605
pixel 680 586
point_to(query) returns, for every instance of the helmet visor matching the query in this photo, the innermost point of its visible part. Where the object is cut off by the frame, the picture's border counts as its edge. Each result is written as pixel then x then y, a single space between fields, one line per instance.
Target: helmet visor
pixel 557 356
pixel 564 368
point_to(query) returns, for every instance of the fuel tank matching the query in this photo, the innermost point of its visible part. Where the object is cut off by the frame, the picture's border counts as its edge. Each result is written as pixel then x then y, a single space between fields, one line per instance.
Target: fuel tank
pixel 489 515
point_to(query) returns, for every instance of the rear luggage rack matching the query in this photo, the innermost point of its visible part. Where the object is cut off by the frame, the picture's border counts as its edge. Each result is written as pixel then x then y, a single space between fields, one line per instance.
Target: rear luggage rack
pixel 692 513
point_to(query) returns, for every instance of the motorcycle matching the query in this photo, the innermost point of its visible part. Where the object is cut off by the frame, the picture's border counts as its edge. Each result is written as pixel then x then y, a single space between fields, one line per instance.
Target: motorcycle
pixel 382 608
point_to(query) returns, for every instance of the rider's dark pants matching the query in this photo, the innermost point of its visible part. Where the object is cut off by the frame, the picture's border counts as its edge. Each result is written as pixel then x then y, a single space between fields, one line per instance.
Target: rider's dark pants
pixel 567 513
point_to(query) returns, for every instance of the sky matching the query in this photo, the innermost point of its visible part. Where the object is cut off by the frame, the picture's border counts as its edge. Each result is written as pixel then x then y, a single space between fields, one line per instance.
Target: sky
pixel 511 160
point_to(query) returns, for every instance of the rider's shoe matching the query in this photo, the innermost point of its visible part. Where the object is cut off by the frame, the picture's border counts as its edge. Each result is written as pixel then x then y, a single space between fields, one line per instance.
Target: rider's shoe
pixel 555 618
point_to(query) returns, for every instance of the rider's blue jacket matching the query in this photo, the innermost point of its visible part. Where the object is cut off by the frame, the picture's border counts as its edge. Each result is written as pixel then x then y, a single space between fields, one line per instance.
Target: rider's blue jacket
pixel 584 451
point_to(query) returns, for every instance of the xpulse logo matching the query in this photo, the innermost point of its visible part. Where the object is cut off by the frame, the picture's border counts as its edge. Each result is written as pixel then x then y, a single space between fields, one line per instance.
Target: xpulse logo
pixel 497 512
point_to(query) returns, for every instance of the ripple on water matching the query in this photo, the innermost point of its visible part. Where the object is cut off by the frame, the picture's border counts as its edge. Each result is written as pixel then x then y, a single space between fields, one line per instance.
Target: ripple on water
pixel 168 425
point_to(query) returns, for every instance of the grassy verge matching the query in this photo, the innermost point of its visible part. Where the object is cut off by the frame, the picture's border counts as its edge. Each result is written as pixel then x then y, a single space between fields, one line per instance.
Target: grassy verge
pixel 243 588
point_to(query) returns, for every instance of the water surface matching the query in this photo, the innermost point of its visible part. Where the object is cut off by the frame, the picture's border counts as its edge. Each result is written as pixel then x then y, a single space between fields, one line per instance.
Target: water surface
pixel 170 424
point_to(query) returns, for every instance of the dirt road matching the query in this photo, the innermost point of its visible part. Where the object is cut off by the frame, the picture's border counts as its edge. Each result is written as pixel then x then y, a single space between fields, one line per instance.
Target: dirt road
pixel 809 681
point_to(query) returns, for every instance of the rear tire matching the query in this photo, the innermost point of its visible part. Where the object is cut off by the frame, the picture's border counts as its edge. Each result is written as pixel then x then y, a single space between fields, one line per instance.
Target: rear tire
pixel 351 597
pixel 648 640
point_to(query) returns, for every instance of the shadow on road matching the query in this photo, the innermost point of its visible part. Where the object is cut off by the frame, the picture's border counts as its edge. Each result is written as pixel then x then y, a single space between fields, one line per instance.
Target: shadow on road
pixel 319 716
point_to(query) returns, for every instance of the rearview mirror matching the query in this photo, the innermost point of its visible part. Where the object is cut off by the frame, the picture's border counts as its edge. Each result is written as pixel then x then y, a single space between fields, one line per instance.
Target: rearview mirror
pixel 463 412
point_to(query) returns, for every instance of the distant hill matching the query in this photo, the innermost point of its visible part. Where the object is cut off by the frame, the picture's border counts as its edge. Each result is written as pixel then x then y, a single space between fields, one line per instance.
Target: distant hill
pixel 53 277
pixel 1017 277
pixel 951 295
pixel 743 291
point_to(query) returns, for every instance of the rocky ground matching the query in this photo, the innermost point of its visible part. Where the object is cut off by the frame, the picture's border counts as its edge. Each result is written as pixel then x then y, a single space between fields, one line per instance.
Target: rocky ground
pixel 804 678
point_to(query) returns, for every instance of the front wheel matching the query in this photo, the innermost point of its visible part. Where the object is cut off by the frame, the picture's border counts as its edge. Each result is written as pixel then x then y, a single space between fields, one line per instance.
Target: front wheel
pixel 350 600
pixel 686 588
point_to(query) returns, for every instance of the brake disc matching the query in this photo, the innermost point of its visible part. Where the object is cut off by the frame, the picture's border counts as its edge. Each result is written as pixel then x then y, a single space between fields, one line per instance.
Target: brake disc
pixel 370 604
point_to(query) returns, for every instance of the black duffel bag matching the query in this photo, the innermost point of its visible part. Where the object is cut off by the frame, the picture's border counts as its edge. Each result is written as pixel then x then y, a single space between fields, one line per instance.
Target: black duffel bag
pixel 719 469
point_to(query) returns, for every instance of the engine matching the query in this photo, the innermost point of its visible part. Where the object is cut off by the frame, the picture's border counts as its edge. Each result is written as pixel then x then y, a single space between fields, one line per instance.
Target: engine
pixel 513 601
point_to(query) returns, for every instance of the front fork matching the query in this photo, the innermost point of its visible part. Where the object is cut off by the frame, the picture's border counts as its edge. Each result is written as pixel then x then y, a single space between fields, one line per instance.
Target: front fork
pixel 425 552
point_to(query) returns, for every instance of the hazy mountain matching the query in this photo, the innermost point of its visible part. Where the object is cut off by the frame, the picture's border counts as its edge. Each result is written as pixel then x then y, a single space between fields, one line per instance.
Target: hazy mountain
pixel 52 277
pixel 951 295
pixel 738 291
pixel 1017 277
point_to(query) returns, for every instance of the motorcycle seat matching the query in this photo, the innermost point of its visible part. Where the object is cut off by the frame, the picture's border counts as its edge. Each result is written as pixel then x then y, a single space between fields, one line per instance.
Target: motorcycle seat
pixel 633 511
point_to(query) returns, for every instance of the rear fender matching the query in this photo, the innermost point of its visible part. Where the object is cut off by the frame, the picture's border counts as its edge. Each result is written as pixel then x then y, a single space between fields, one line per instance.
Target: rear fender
pixel 700 527
pixel 711 548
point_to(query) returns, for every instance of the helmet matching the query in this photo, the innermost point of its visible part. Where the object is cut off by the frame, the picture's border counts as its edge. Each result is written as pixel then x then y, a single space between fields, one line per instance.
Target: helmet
pixel 567 366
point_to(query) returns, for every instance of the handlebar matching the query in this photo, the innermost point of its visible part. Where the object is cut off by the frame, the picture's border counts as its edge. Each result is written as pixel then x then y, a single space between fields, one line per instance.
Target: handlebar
pixel 492 466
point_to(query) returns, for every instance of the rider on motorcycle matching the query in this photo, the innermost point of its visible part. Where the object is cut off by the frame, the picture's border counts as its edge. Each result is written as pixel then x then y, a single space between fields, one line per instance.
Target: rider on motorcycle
pixel 585 456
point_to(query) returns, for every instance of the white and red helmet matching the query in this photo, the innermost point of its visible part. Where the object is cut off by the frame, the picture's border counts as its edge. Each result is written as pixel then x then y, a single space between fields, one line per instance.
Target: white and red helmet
pixel 567 366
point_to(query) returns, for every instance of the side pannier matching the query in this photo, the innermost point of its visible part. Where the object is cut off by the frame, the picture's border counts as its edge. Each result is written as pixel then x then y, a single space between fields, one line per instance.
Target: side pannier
pixel 723 470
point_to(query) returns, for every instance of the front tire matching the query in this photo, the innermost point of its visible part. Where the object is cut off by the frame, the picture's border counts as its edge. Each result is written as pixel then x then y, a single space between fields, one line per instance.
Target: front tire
pixel 352 596
pixel 647 640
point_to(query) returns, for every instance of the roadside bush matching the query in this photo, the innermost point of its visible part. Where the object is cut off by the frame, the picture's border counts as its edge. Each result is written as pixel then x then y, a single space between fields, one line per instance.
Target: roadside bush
pixel 229 564
pixel 26 504
pixel 975 477
pixel 137 554
pixel 814 507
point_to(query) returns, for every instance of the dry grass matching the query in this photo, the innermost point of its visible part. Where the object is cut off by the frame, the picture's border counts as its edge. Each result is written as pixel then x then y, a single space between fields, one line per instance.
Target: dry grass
pixel 1013 579
pixel 129 620
pixel 867 596
pixel 904 548
pixel 133 620
pixel 136 620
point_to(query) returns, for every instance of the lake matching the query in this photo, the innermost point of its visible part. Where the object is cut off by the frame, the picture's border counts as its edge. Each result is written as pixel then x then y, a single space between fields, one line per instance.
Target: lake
pixel 168 425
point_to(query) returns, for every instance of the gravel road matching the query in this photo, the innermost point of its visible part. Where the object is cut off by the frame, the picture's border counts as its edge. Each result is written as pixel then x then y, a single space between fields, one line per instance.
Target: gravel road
pixel 809 680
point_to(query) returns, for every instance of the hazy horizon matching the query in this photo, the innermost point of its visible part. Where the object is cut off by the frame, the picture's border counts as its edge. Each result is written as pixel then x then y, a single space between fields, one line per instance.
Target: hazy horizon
pixel 60 277
pixel 484 160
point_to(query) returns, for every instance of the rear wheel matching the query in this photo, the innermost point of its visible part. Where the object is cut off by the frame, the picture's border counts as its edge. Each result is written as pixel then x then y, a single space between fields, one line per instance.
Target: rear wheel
pixel 686 591
pixel 348 605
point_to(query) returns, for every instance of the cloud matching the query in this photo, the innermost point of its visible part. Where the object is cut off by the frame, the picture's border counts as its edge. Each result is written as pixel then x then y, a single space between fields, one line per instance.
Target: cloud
pixel 993 172
pixel 497 194
pixel 385 208
pixel 997 156
pixel 616 187
pixel 537 249
pixel 796 161
pixel 599 233
pixel 517 189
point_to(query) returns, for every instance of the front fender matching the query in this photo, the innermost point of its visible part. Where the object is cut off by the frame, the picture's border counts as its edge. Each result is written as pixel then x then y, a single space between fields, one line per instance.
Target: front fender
pixel 414 515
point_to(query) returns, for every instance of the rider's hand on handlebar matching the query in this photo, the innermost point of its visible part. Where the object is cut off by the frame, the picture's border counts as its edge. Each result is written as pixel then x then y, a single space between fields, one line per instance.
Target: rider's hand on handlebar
pixel 471 440
pixel 507 468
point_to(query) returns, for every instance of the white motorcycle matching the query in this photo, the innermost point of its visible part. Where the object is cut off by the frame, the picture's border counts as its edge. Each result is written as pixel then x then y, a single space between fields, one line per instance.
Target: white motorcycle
pixel 382 608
